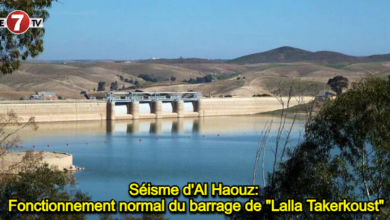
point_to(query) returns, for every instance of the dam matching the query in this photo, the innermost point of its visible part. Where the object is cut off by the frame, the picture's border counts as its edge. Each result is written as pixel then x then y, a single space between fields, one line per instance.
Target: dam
pixel 155 101
pixel 160 105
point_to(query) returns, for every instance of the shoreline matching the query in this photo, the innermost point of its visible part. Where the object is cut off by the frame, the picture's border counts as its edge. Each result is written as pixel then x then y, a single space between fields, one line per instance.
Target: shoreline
pixel 56 160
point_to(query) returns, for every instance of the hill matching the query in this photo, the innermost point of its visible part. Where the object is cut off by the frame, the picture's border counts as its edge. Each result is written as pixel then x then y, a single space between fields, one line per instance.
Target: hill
pixel 379 58
pixel 180 61
pixel 245 76
pixel 279 55
pixel 293 55
pixel 67 80
pixel 159 71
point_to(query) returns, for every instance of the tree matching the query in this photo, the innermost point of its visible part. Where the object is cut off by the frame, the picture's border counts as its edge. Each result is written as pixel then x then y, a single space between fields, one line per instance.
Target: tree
pixel 345 155
pixel 338 83
pixel 10 140
pixel 42 183
pixel 114 86
pixel 147 77
pixel 208 78
pixel 136 83
pixel 191 80
pixel 173 78
pixel 357 124
pixel 14 48
pixel 205 79
pixel 101 86
pixel 34 181
pixel 200 80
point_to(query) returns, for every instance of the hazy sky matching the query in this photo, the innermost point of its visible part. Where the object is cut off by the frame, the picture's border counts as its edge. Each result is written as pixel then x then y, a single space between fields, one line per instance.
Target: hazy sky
pixel 141 29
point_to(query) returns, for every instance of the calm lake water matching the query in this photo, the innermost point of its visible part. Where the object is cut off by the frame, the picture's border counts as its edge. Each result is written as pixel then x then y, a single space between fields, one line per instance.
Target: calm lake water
pixel 163 152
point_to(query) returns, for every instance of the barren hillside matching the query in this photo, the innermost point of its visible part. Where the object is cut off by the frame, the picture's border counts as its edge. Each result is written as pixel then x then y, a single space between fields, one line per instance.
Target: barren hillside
pixel 68 79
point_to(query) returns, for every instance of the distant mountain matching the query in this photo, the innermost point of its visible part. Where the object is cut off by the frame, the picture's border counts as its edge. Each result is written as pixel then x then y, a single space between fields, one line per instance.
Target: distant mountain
pixel 379 58
pixel 180 61
pixel 284 54
pixel 42 61
pixel 291 55
pixel 329 57
pixel 279 55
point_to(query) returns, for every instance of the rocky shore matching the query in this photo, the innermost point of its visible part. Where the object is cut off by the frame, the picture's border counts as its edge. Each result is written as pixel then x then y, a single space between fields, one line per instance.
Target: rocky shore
pixel 55 160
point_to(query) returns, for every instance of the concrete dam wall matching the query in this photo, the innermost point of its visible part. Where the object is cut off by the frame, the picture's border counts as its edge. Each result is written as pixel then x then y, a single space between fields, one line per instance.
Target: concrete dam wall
pixel 50 111
pixel 242 106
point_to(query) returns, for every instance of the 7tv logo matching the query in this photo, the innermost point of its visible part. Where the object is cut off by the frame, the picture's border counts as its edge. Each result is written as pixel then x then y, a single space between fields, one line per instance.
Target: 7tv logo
pixel 19 22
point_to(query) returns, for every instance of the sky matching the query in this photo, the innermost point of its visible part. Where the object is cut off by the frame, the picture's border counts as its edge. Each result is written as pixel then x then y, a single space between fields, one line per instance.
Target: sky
pixel 212 29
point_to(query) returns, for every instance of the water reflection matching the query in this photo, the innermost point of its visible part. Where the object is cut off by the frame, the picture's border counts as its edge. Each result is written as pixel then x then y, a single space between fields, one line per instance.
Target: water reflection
pixel 190 125
pixel 196 125
pixel 144 108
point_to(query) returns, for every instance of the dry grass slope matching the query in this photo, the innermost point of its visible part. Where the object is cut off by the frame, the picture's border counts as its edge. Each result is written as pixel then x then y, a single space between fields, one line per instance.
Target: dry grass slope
pixel 68 80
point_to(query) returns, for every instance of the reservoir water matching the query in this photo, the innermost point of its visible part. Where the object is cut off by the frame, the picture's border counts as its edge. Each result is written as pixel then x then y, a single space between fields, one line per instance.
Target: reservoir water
pixel 163 152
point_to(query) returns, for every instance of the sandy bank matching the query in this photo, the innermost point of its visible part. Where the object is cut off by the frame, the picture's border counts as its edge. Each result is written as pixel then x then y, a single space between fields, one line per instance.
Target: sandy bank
pixel 55 160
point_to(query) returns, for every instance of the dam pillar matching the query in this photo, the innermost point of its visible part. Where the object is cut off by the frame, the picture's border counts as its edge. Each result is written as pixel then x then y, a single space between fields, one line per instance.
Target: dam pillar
pixel 178 107
pixel 133 109
pixel 110 111
pixel 198 107
pixel 156 108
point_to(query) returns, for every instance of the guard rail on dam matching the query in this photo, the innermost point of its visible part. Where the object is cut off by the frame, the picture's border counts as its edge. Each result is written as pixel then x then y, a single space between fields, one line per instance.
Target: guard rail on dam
pixel 82 110
pixel 145 97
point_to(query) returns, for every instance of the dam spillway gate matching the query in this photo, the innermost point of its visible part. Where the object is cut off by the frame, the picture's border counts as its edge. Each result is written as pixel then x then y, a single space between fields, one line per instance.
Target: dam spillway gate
pixel 132 101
